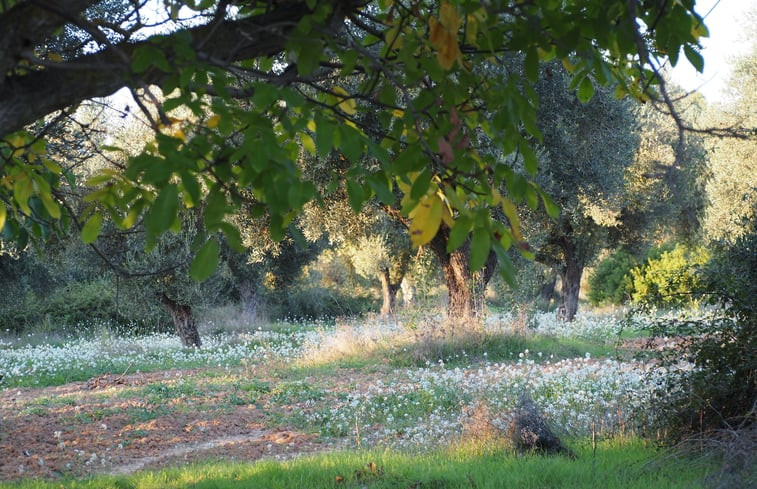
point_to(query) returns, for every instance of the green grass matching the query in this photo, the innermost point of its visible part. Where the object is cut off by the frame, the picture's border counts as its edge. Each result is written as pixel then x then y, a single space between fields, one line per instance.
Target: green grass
pixel 626 464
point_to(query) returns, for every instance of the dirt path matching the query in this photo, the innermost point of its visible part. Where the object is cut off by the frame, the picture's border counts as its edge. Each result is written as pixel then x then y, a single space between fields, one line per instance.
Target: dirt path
pixel 121 424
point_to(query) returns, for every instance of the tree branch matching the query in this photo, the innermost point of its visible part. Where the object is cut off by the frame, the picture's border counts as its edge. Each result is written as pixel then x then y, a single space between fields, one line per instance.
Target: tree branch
pixel 25 98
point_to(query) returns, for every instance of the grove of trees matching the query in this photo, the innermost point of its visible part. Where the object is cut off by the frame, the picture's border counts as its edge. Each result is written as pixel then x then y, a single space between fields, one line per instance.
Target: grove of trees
pixel 401 93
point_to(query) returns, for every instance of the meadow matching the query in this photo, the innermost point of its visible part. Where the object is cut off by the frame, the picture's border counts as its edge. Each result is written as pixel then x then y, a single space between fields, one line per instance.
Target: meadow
pixel 396 403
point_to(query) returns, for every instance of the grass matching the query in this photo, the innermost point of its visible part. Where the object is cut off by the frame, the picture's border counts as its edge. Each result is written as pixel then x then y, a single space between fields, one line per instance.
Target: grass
pixel 616 464
pixel 390 390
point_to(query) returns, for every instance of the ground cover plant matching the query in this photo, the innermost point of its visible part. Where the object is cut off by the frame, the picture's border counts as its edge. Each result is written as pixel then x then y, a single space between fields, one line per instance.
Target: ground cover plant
pixel 77 409
pixel 616 464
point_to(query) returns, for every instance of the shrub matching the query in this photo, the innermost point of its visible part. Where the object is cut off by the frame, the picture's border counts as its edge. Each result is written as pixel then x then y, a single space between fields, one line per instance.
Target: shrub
pixel 611 282
pixel 721 391
pixel 314 302
pixel 671 279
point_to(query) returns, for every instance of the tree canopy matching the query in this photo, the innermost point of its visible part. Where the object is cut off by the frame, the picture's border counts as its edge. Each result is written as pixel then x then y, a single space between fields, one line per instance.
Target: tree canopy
pixel 399 91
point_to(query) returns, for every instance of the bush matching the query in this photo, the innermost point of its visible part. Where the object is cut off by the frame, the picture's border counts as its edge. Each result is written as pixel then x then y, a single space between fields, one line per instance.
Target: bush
pixel 670 279
pixel 314 302
pixel 611 282
pixel 721 391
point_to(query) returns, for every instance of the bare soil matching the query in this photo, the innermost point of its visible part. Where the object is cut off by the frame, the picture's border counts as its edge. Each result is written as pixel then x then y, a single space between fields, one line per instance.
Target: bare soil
pixel 120 424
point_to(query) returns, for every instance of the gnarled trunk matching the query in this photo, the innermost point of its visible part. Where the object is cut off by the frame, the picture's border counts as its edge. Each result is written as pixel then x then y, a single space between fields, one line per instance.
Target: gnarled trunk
pixel 388 292
pixel 466 290
pixel 183 321
pixel 570 274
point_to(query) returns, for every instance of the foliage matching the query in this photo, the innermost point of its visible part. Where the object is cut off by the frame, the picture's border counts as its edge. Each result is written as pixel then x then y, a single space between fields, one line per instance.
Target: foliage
pixel 732 190
pixel 611 281
pixel 665 194
pixel 722 388
pixel 670 279
pixel 585 152
pixel 265 82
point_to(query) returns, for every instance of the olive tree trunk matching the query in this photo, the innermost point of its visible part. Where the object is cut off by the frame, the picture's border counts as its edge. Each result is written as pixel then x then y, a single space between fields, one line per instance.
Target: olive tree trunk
pixel 388 293
pixel 466 289
pixel 570 275
pixel 183 321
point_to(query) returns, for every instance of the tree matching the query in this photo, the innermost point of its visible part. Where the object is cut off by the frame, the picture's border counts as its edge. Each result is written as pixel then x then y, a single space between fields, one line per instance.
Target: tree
pixel 586 149
pixel 265 75
pixel 732 190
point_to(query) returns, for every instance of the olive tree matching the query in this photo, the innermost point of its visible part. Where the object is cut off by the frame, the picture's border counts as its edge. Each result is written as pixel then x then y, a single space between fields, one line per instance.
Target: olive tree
pixel 271 76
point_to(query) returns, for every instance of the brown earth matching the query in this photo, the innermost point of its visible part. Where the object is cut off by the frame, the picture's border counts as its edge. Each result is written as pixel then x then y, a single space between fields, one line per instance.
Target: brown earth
pixel 120 424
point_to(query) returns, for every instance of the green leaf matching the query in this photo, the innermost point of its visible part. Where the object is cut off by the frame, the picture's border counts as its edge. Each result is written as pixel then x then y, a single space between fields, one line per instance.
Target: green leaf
pixel 382 187
pixel 529 158
pixel 216 207
pixel 146 56
pixel 459 233
pixel 356 195
pixel 532 64
pixel 206 261
pixel 233 237
pixel 421 185
pixel 52 207
pixel 23 188
pixel 163 212
pixel 506 268
pixel 585 90
pixel 553 210
pixel 324 136
pixel 91 229
pixel 696 59
pixel 479 250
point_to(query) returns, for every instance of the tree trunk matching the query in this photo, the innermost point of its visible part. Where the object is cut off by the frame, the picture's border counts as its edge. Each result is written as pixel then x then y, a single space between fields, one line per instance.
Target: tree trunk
pixel 388 293
pixel 183 321
pixel 547 290
pixel 466 290
pixel 570 275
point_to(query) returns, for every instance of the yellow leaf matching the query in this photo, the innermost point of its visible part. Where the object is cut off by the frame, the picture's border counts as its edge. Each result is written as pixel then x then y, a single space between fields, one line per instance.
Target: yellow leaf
pixel 496 197
pixel 403 185
pixel 213 121
pixel 130 219
pixel 447 216
pixel 471 30
pixel 3 213
pixel 512 216
pixel 568 65
pixel 698 30
pixel 449 52
pixel 449 17
pixel 393 39
pixel 426 219
pixel 347 104
pixel 55 57
pixel 311 125
pixel 179 134
pixel 18 142
pixel 436 33
pixel 308 143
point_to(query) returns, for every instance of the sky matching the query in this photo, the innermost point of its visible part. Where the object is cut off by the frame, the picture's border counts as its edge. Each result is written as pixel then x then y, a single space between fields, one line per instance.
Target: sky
pixel 727 24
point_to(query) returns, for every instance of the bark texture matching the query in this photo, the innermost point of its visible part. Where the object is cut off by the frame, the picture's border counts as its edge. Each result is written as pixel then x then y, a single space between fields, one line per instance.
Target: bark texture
pixel 570 274
pixel 388 293
pixel 183 321
pixel 466 289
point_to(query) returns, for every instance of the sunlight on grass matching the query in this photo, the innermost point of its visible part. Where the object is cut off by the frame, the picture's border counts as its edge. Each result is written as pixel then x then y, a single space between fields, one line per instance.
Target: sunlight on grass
pixel 620 463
